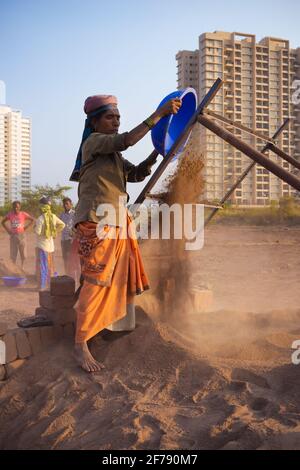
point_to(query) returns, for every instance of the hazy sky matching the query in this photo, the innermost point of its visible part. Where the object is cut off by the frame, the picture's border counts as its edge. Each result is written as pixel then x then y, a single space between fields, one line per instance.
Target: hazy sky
pixel 53 54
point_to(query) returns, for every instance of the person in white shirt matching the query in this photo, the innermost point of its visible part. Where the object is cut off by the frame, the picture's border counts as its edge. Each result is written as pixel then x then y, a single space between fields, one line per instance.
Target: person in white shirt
pixel 46 228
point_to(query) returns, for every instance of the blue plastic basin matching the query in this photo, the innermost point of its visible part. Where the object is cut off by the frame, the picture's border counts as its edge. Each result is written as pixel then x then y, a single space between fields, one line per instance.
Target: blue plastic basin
pixel 12 281
pixel 169 128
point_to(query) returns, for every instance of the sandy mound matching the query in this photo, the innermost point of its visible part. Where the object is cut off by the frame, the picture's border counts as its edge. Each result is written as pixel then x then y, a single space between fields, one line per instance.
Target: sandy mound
pixel 157 392
pixel 264 339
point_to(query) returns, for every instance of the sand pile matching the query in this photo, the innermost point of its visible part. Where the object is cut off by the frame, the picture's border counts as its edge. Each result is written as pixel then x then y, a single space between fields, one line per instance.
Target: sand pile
pixel 158 391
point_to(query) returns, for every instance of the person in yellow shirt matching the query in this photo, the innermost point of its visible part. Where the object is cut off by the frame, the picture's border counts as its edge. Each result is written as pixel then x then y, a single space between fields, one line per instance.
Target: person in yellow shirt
pixel 46 228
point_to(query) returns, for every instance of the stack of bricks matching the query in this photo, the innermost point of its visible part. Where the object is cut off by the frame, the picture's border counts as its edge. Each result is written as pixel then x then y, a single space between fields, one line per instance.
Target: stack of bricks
pixel 58 305
pixel 18 344
pixel 202 300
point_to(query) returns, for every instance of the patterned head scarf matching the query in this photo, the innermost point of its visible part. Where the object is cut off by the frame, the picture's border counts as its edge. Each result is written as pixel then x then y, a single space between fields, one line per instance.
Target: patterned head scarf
pixel 49 228
pixel 93 106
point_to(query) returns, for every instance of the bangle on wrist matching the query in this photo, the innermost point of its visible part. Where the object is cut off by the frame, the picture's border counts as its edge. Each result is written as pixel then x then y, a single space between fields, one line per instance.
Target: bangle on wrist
pixel 149 123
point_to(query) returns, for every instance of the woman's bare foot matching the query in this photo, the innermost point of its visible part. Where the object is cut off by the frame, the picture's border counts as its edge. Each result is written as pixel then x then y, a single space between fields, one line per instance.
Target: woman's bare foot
pixel 85 359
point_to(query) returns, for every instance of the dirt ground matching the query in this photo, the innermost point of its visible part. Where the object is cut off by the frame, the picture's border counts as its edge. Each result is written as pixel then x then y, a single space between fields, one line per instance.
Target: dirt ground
pixel 251 268
pixel 223 379
pixel 16 303
pixel 248 268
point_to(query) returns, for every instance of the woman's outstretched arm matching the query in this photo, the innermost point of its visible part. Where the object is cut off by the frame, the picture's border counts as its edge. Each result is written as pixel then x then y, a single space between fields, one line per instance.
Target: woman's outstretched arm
pixel 136 134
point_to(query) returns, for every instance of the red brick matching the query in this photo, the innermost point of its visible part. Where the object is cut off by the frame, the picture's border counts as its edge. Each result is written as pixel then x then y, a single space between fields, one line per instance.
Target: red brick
pixel 55 302
pixel 23 346
pixel 202 300
pixel 11 353
pixel 14 366
pixel 58 332
pixel 47 336
pixel 62 316
pixel 62 286
pixel 34 337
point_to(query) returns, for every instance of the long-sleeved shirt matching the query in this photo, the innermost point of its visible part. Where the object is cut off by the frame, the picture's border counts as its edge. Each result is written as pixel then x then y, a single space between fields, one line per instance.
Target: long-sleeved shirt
pixel 68 219
pixel 103 177
pixel 46 244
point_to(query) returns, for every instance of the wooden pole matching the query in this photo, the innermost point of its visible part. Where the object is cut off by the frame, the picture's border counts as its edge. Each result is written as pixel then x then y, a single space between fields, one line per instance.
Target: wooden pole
pixel 244 174
pixel 258 157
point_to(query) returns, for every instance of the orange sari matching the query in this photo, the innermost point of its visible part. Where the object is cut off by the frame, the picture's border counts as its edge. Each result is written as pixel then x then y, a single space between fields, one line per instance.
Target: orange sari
pixel 113 273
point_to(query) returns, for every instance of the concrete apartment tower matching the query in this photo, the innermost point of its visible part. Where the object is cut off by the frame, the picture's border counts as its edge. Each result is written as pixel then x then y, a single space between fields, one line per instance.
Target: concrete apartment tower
pixel 257 92
pixel 15 154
